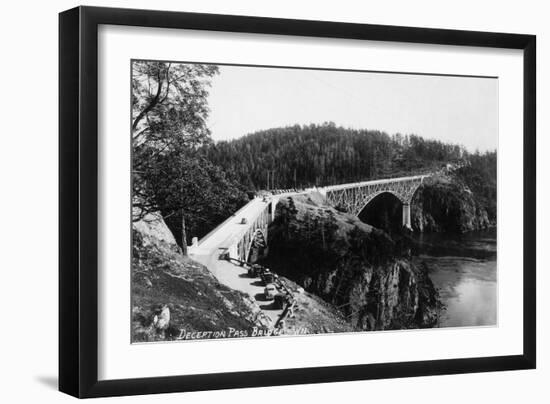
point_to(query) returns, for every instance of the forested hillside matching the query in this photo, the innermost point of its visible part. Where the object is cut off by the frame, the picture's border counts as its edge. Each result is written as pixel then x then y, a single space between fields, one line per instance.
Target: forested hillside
pixel 302 156
pixel 480 176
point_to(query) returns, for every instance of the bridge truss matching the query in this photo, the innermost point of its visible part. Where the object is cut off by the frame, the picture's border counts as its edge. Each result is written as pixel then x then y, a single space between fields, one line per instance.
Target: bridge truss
pixel 354 197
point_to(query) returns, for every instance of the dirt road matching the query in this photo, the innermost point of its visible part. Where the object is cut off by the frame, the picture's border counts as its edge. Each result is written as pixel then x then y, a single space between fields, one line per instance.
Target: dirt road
pixel 236 277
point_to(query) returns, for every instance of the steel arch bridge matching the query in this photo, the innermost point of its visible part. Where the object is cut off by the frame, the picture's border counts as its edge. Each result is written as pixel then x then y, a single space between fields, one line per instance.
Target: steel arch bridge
pixel 354 197
pixel 248 227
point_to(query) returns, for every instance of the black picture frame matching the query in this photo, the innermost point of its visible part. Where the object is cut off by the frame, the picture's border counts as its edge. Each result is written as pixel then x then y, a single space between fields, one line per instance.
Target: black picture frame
pixel 78 200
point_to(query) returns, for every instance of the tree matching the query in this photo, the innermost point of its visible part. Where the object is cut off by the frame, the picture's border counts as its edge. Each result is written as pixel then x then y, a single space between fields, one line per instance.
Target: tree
pixel 169 102
pixel 170 175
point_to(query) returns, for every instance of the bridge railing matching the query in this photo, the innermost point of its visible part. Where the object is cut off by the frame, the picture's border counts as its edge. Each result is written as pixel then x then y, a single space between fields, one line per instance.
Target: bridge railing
pixel 244 240
pixel 374 182
pixel 395 177
pixel 297 191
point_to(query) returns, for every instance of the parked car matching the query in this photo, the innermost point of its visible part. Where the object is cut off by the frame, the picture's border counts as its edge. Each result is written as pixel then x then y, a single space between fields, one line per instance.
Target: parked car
pixel 270 291
pixel 255 270
pixel 267 277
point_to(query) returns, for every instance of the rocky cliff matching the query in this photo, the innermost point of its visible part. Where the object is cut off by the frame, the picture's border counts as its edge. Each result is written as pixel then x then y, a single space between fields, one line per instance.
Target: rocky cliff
pixel 446 204
pixel 351 265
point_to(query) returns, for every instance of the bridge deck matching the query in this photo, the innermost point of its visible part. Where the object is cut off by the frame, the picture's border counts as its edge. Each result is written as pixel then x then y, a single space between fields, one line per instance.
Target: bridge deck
pixel 373 182
pixel 232 228
pixel 223 235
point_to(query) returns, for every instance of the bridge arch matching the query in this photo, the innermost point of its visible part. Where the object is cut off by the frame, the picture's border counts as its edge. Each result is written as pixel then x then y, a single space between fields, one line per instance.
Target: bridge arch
pixel 368 199
pixel 383 210
pixel 353 198
pixel 257 246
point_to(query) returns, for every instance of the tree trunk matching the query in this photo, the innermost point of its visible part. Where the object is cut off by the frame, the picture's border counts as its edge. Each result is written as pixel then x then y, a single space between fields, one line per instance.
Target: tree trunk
pixel 183 234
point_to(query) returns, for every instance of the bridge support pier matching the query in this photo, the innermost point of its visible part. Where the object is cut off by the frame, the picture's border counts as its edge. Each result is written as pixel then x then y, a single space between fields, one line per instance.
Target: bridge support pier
pixel 407 216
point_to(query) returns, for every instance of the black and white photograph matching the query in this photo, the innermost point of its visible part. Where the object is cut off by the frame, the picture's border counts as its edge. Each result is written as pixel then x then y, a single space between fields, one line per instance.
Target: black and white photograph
pixel 274 201
pixel 216 201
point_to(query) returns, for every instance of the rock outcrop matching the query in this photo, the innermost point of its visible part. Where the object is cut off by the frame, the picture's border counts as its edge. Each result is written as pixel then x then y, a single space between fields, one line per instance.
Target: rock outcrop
pixel 445 204
pixel 355 267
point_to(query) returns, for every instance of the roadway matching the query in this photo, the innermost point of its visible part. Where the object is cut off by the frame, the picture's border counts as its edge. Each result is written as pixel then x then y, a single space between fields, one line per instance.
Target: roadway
pixel 228 273
pixel 236 277
pixel 232 228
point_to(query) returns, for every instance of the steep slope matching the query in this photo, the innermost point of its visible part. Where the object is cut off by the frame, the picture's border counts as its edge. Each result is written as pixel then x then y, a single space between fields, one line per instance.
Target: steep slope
pixel 167 285
pixel 353 266
pixel 313 315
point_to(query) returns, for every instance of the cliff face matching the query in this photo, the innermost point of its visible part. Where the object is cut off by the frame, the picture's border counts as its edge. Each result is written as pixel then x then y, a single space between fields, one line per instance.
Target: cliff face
pixel 173 295
pixel 445 204
pixel 393 295
pixel 313 315
pixel 356 267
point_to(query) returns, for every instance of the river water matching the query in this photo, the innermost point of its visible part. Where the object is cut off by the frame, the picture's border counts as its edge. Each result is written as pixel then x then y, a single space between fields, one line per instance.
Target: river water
pixel 464 270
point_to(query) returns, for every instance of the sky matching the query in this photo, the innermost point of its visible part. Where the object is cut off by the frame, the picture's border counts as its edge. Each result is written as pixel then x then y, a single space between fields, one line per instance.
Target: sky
pixel 462 110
